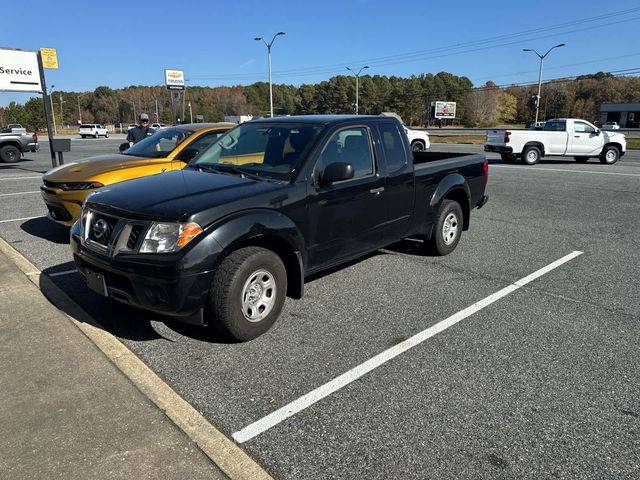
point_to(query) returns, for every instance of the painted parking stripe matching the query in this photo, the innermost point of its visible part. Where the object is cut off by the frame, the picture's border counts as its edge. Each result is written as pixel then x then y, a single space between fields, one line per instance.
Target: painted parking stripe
pixel 355 373
pixel 20 219
pixel 66 272
pixel 19 178
pixel 535 169
pixel 18 193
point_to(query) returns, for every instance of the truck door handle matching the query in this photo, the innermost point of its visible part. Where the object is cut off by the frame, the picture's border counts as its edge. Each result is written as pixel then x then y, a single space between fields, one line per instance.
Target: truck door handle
pixel 576 136
pixel 376 191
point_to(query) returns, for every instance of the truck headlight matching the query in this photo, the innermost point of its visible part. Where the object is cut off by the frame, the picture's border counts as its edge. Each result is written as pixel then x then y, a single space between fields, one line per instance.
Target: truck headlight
pixel 169 237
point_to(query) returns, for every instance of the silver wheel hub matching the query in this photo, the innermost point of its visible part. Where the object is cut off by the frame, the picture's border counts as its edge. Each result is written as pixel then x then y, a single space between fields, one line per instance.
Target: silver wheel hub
pixel 611 155
pixel 532 155
pixel 258 295
pixel 450 229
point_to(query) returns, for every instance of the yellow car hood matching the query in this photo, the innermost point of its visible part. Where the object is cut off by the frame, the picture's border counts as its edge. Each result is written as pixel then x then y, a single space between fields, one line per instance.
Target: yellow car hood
pixel 83 170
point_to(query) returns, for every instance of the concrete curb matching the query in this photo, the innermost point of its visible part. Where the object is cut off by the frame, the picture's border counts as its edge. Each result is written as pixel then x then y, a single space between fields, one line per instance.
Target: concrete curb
pixel 222 451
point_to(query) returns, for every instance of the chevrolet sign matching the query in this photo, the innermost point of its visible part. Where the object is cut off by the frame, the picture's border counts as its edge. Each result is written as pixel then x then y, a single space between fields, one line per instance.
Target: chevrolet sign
pixel 174 79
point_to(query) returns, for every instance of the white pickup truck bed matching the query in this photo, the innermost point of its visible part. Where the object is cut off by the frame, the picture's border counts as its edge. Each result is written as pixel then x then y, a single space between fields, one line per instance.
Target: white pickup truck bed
pixel 567 137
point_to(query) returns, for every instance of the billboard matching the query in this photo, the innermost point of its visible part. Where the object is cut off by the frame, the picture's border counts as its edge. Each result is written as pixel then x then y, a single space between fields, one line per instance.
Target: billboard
pixel 444 109
pixel 19 71
pixel 174 79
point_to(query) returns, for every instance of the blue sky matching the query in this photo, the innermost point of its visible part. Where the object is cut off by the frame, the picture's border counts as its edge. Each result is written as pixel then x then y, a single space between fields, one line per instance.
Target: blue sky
pixel 119 43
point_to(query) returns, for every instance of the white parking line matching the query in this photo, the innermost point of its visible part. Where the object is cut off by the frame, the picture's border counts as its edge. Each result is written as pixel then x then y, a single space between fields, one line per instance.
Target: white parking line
pixel 535 169
pixel 19 178
pixel 355 373
pixel 23 218
pixel 66 272
pixel 18 193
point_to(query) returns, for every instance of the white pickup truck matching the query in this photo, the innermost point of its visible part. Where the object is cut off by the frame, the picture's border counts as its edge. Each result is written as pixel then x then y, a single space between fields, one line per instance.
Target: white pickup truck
pixel 566 137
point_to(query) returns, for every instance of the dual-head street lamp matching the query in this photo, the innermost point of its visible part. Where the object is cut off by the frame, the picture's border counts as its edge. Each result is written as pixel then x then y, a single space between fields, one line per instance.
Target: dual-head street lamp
pixel 540 74
pixel 357 75
pixel 269 55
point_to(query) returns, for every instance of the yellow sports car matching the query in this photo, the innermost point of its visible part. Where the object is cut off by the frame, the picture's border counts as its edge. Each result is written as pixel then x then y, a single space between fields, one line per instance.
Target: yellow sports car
pixel 65 188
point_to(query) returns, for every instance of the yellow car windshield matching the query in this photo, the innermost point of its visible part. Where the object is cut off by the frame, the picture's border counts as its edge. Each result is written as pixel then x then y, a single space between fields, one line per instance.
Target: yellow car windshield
pixel 160 144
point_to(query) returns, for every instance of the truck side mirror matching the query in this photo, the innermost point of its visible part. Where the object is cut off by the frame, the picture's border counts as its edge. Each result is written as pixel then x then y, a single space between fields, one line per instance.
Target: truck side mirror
pixel 123 146
pixel 336 172
pixel 597 132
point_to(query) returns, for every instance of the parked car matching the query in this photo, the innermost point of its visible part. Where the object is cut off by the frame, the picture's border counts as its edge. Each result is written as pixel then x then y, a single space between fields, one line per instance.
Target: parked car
pixel 418 139
pixel 223 241
pixel 132 125
pixel 565 137
pixel 610 126
pixel 65 188
pixel 14 145
pixel 94 130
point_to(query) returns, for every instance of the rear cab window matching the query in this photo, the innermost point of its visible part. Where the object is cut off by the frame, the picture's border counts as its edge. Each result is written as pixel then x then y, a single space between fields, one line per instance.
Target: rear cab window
pixel 555 126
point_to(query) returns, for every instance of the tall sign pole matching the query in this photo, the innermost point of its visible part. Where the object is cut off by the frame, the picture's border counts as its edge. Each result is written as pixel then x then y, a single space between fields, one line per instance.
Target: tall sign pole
pixel 47 110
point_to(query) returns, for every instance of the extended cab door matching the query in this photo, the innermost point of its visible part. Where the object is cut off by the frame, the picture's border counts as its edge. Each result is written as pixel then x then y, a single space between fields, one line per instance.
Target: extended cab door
pixel 346 218
pixel 584 141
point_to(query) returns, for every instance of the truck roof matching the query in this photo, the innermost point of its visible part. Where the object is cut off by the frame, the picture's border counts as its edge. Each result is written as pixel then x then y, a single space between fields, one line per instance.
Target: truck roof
pixel 324 119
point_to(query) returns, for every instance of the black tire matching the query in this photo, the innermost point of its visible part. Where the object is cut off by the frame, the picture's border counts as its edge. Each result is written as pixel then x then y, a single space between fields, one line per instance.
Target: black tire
pixel 106 135
pixel 581 159
pixel 610 155
pixel 445 239
pixel 95 135
pixel 10 154
pixel 418 146
pixel 508 157
pixel 83 136
pixel 233 284
pixel 531 155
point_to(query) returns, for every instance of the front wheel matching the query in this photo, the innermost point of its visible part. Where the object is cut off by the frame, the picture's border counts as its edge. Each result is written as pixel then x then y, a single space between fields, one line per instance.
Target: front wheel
pixel 581 159
pixel 96 135
pixel 247 293
pixel 106 135
pixel 610 155
pixel 448 229
pixel 9 154
pixel 531 155
pixel 418 146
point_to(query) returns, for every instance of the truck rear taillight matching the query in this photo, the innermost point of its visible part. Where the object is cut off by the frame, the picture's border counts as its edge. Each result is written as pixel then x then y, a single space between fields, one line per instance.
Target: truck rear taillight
pixel 485 172
pixel 34 137
pixel 507 134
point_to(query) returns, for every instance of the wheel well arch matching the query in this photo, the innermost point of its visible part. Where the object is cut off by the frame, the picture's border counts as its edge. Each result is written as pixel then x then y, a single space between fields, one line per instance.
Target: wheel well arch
pixel 11 143
pixel 459 196
pixel 540 146
pixel 287 253
pixel 613 144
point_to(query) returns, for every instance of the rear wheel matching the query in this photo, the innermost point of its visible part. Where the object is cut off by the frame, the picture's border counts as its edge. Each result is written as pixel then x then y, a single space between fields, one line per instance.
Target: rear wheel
pixel 610 155
pixel 531 155
pixel 508 157
pixel 247 293
pixel 106 135
pixel 448 229
pixel 95 135
pixel 581 159
pixel 9 154
pixel 418 146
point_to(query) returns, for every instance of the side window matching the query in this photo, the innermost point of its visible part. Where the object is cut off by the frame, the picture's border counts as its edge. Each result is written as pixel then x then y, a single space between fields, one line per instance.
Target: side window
pixel 352 146
pixel 580 127
pixel 202 143
pixel 393 146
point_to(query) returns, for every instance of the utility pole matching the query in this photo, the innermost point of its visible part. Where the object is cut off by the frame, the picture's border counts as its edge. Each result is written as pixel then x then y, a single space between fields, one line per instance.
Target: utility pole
pixel 53 112
pixel 540 73
pixel 357 75
pixel 190 114
pixel 157 117
pixel 61 112
pixel 269 57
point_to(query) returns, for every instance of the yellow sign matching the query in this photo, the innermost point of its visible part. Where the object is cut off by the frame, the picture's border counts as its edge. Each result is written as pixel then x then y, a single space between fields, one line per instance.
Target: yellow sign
pixel 49 57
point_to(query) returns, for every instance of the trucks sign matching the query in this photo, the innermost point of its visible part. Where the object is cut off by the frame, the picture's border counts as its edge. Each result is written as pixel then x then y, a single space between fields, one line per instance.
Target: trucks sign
pixel 444 109
pixel 19 71
pixel 174 79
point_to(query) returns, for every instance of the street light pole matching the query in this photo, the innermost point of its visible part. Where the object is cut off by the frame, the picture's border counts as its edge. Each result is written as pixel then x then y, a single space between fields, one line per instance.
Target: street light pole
pixel 53 112
pixel 80 111
pixel 357 75
pixel 61 112
pixel 190 114
pixel 540 72
pixel 269 57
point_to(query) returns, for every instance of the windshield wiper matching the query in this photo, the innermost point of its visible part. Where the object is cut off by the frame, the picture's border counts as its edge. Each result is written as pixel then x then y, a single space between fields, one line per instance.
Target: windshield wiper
pixel 228 169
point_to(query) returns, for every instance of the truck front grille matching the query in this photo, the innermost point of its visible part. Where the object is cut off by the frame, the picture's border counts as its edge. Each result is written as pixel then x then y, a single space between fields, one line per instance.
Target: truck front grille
pixel 109 235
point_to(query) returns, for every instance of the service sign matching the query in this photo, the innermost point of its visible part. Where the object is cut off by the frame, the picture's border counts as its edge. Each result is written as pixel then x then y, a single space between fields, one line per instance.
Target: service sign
pixel 19 71
pixel 174 79
pixel 444 109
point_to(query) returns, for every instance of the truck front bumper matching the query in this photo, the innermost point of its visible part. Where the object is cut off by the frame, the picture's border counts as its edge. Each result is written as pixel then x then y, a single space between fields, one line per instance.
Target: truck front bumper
pixel 156 286
pixel 499 149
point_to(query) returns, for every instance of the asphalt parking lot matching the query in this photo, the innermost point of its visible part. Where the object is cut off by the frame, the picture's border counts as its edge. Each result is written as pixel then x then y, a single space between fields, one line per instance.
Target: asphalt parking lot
pixel 540 383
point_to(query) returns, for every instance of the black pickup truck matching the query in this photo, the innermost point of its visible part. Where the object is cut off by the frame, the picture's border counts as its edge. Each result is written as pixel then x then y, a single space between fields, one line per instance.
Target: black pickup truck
pixel 223 241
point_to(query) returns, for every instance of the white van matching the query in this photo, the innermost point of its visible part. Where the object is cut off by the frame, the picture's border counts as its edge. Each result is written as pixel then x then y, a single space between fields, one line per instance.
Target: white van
pixel 94 130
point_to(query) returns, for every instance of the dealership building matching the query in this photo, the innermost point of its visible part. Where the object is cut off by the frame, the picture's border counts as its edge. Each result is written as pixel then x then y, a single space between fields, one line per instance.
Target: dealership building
pixel 627 115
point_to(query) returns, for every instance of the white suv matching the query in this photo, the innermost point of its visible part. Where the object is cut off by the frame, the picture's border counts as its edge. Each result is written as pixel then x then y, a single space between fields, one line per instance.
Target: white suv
pixel 94 130
pixel 419 139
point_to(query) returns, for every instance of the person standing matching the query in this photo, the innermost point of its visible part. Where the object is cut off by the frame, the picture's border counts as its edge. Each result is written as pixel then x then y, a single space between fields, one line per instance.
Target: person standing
pixel 140 131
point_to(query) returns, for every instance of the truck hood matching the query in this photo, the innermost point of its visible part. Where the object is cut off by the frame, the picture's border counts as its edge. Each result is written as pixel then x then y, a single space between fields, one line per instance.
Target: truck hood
pixel 84 170
pixel 178 194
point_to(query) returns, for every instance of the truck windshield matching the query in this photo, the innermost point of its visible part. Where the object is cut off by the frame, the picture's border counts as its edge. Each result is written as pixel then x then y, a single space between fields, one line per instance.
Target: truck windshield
pixel 270 150
pixel 160 144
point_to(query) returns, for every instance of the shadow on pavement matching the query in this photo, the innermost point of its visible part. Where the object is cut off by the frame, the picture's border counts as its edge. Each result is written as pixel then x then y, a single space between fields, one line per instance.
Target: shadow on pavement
pixel 47 229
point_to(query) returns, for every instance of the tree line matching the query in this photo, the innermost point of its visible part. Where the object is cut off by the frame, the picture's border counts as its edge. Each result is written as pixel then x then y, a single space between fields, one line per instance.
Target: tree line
pixel 484 106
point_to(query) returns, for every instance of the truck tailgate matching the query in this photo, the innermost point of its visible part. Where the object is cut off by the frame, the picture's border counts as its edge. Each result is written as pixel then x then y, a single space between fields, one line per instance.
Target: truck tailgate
pixel 495 137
